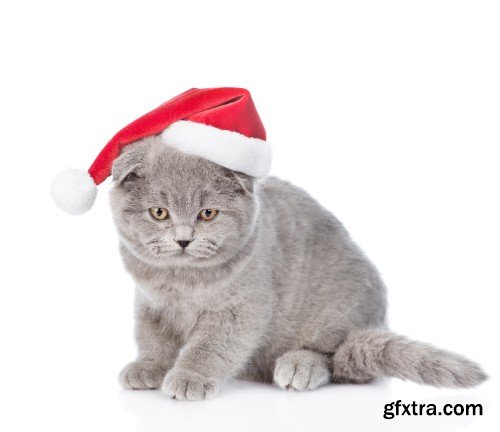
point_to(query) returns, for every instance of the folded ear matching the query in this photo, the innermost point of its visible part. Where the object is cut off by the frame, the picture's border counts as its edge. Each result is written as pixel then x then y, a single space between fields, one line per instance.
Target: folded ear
pixel 126 168
pixel 245 182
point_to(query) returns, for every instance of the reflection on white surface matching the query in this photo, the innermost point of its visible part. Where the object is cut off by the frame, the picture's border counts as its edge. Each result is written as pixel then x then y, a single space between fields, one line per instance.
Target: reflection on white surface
pixel 242 406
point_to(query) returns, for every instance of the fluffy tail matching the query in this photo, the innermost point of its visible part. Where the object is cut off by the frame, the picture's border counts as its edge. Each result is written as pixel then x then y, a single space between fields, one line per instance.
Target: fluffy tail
pixel 367 354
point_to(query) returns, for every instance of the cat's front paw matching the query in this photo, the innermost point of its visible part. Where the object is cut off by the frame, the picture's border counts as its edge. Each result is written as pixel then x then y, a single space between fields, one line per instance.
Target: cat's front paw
pixel 142 375
pixel 188 385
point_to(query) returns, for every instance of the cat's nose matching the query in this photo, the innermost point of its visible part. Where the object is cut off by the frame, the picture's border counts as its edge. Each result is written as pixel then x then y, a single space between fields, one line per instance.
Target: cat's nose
pixel 183 243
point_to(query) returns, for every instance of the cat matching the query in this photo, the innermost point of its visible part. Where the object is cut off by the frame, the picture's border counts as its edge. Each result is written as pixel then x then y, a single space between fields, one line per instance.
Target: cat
pixel 252 279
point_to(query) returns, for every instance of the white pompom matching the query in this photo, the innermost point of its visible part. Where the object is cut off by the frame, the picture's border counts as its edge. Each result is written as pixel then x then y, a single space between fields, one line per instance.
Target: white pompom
pixel 74 191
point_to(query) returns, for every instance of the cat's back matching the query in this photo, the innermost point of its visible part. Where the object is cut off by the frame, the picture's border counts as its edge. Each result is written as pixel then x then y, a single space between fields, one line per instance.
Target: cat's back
pixel 300 231
pixel 322 278
pixel 294 208
pixel 313 246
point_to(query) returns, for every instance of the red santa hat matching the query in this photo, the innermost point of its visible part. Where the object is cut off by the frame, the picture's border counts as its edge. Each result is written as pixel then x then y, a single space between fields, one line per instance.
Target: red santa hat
pixel 218 124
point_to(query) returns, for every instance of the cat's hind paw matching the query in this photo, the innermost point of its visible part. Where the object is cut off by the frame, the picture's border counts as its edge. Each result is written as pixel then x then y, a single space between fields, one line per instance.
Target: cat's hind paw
pixel 301 370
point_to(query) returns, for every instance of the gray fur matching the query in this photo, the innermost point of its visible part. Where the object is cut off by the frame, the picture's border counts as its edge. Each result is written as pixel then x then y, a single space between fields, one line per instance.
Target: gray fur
pixel 367 354
pixel 273 289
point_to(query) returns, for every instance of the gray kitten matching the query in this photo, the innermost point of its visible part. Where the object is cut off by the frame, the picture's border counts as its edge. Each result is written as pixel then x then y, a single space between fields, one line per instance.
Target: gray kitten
pixel 255 280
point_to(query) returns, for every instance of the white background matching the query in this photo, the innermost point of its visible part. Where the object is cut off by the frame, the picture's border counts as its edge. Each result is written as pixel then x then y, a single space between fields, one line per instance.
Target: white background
pixel 387 112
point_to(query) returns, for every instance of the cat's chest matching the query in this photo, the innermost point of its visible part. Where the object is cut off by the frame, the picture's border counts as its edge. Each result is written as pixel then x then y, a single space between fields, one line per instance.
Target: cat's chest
pixel 183 296
pixel 174 312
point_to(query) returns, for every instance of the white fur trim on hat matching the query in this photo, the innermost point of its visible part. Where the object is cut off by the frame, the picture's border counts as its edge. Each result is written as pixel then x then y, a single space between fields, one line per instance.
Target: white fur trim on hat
pixel 232 150
pixel 74 191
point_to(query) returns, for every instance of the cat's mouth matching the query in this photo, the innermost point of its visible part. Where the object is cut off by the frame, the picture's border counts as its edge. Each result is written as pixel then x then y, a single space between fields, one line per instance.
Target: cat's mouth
pixel 193 254
pixel 184 253
pixel 161 253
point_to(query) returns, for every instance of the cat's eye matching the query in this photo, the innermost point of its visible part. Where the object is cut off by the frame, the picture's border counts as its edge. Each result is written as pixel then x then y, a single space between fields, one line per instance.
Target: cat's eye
pixel 158 213
pixel 207 214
